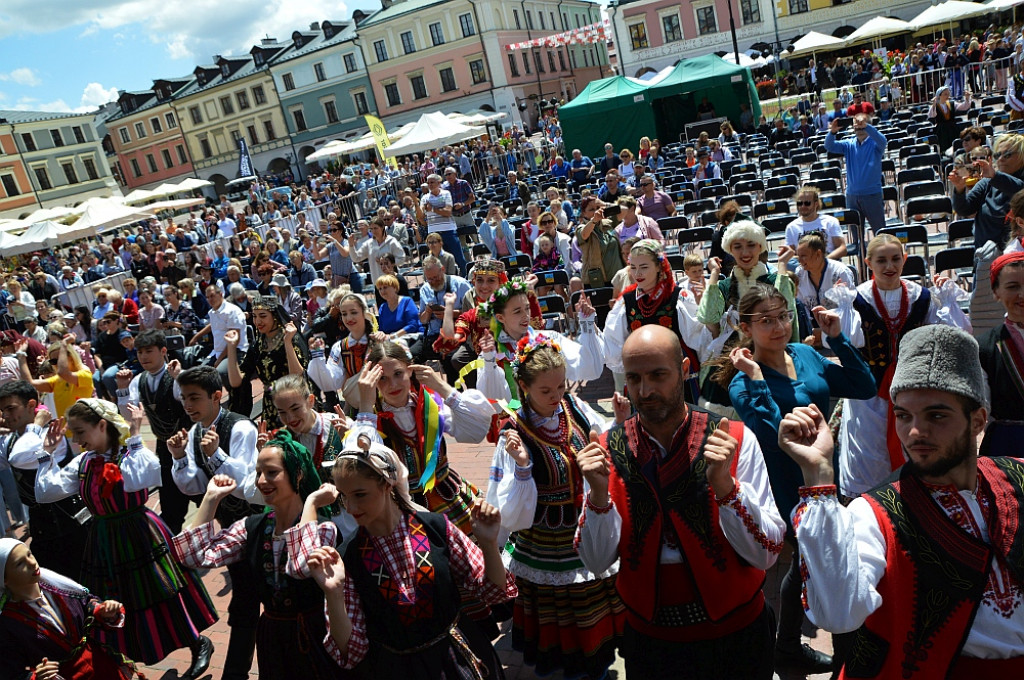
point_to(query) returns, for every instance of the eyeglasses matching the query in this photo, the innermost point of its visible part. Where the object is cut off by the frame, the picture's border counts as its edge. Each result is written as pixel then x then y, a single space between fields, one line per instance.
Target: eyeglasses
pixel 543 222
pixel 805 202
pixel 1004 154
pixel 767 322
pixel 647 184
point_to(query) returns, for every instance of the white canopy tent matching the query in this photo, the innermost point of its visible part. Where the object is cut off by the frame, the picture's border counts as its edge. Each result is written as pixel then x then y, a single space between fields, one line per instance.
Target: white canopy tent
pixel 174 204
pixel 431 131
pixel 947 13
pixel 745 60
pixel 39 236
pixel 138 196
pixel 814 41
pixel 101 217
pixel 191 183
pixel 876 28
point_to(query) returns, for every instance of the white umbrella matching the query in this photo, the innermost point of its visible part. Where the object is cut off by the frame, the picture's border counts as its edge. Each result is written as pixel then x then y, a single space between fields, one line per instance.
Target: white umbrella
pixel 328 150
pixel 166 189
pixel 879 27
pixel 138 196
pixel 1003 4
pixel 102 217
pixel 175 204
pixel 241 180
pixel 814 41
pixel 191 183
pixel 39 236
pixel 745 60
pixel 431 131
pixel 947 13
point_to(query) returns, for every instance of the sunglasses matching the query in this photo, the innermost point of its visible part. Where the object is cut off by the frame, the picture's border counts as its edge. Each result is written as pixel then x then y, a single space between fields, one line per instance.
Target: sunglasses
pixel 646 184
pixel 805 202
pixel 1003 154
pixel 547 222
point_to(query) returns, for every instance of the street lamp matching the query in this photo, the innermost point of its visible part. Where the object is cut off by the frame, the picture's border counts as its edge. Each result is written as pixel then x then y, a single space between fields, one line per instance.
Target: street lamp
pixel 732 31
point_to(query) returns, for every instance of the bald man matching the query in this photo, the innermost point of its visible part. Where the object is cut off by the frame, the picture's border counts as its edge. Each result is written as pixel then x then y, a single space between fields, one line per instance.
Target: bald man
pixel 683 501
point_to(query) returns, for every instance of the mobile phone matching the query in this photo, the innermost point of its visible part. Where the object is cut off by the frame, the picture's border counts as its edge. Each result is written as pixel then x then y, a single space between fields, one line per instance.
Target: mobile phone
pixel 612 210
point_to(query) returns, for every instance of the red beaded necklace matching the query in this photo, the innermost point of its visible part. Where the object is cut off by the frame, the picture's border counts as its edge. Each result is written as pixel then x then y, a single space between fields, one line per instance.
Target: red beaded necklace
pixel 893 325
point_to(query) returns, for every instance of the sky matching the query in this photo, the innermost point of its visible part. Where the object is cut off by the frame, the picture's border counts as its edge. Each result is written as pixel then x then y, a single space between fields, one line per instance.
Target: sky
pixel 74 55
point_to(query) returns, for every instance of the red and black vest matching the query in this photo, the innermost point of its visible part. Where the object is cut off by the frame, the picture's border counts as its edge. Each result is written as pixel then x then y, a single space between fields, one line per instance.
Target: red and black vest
pixel 877 347
pixel 935 573
pixel 665 315
pixel 670 500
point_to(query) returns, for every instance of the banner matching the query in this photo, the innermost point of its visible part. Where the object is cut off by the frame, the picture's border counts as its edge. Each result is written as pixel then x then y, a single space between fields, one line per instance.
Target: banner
pixel 244 161
pixel 380 135
pixel 584 35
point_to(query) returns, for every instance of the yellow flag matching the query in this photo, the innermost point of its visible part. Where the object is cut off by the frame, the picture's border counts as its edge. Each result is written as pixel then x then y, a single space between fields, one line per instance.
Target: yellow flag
pixel 380 135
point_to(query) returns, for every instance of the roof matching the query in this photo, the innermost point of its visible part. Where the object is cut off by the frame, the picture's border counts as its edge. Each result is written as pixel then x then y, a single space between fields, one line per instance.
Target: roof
pixel 17 117
pixel 318 42
pixel 398 9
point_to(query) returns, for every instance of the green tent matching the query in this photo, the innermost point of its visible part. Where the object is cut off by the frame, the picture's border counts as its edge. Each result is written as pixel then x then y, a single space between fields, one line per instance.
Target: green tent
pixel 622 110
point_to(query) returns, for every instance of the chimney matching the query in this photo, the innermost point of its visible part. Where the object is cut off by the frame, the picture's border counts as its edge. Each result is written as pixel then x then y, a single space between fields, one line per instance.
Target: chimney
pixel 268 41
pixel 216 58
pixel 386 3
pixel 315 26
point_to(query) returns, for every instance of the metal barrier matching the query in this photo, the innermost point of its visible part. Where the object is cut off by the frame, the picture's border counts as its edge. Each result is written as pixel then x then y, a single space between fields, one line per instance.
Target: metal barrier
pixel 82 295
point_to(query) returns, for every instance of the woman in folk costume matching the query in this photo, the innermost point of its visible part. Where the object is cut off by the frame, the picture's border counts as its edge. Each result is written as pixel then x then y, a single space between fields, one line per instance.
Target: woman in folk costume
pixel 340 371
pixel 943 113
pixel 291 626
pixel 875 316
pixel 48 624
pixel 394 592
pixel 1002 357
pixel 509 309
pixel 127 554
pixel 566 617
pixel 655 297
pixel 277 351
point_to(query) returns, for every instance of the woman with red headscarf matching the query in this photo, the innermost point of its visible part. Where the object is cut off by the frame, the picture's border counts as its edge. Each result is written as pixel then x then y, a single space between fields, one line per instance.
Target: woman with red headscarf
pixel 655 298
pixel 1002 357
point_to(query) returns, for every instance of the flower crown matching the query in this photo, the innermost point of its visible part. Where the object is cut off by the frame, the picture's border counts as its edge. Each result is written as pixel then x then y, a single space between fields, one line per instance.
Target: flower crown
pixel 512 287
pixel 528 345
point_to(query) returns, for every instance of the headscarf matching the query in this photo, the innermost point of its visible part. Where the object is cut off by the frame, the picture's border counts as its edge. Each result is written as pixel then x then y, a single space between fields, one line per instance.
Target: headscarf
pixel 382 460
pixel 296 459
pixel 108 411
pixel 666 282
pixel 1002 261
pixel 51 578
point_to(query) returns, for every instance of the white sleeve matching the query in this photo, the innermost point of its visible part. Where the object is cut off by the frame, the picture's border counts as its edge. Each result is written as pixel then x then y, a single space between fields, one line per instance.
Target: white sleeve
pixel 792 234
pixel 615 336
pixel 945 306
pixel 239 462
pixel 26 452
pixel 187 476
pixel 596 420
pixel 750 519
pixel 328 373
pixel 467 416
pixel 511 489
pixel 54 483
pixel 849 318
pixel 584 360
pixel 140 468
pixel 597 538
pixel 131 395
pixel 490 379
pixel 843 552
pixel 695 334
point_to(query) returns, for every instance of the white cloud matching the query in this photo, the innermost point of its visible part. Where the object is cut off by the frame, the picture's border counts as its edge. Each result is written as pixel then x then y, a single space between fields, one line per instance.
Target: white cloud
pixel 96 96
pixel 21 76
pixel 32 104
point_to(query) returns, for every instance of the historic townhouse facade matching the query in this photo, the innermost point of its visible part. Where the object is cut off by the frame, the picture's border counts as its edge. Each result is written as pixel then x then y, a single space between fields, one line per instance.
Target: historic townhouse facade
pixel 323 85
pixel 58 154
pixel 653 34
pixel 147 138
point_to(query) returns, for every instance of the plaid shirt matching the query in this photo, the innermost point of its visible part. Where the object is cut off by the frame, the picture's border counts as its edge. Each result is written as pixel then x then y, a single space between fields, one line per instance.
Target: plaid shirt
pixel 462 192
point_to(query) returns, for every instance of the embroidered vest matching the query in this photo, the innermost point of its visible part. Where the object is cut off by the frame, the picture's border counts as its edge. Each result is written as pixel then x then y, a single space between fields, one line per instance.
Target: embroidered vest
pixel 231 508
pixel 165 413
pixel 279 593
pixel 935 574
pixel 876 335
pixel 665 315
pixel 675 490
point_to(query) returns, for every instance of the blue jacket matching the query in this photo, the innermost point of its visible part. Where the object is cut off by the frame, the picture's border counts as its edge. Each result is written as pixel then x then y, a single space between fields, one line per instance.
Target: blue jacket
pixel 863 161
pixel 487 236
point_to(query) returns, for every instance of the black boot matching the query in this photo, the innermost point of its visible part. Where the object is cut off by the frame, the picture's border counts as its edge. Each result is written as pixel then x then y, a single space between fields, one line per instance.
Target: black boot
pixel 804 658
pixel 202 650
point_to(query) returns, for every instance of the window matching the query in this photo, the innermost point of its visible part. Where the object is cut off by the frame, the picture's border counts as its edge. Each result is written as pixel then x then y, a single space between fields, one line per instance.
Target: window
pixel 166 155
pixel 551 61
pixel 125 135
pixel 258 97
pixel 136 170
pixel 380 50
pixel 391 92
pixel 80 137
pixel 318 71
pixel 350 62
pixel 254 139
pixel 204 146
pixel 58 140
pixel 670 24
pixel 448 78
pixel 540 15
pixel 466 22
pixel 182 156
pixel 90 168
pixel 537 62
pixel 553 25
pixel 572 58
pixel 526 62
pixel 529 20
pixel 171 121
pixel 797 6
pixel 155 124
pixel 561 60
pixel 360 101
pixel 478 71
pixel 565 21
pixel 289 82
pixel 436 34
pixel 10 186
pixel 268 128
pixel 140 130
pixel 513 65
pixel 150 161
pixel 227 106
pixel 331 111
pixel 751 11
pixel 408 44
pixel 236 136
pixel 706 20
pixel 196 115
pixel 638 36
pixel 225 69
pixel 300 119
pixel 69 172
pixel 30 143
pixel 419 88
pixel 515 15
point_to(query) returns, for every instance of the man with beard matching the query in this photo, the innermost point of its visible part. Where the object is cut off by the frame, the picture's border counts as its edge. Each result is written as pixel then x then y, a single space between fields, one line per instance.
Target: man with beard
pixel 927 568
pixel 683 501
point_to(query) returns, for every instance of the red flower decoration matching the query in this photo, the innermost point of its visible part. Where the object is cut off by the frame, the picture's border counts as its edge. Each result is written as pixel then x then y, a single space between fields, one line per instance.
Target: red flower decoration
pixel 665 321
pixel 385 416
pixel 634 325
pixel 109 479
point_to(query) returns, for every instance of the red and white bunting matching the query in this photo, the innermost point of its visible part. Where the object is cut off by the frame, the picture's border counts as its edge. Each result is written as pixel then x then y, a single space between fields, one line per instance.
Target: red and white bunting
pixel 585 35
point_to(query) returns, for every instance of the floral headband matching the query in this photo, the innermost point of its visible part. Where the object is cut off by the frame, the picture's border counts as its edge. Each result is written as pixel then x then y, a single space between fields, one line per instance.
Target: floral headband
pixel 513 287
pixel 528 346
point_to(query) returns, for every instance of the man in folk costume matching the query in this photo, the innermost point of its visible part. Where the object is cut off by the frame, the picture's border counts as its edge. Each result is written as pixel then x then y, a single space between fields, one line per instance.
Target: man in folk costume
pixel 684 502
pixel 926 568
pixel 156 391
pixel 221 442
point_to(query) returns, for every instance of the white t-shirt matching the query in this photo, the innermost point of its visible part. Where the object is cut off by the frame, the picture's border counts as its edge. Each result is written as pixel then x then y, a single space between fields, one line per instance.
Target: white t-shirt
pixel 825 223
pixel 436 222
pixel 227 226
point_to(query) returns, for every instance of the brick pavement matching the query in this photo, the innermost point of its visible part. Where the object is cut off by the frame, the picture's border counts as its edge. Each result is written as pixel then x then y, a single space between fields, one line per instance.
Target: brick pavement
pixel 473 462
